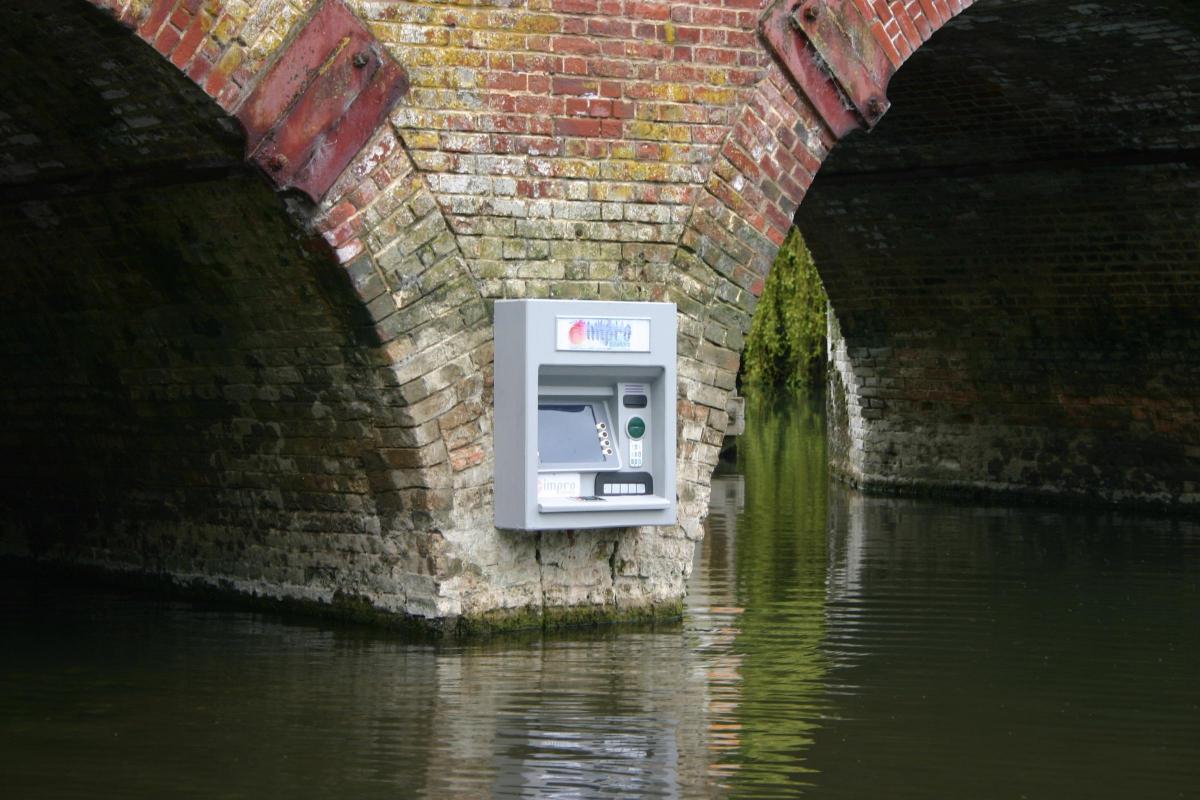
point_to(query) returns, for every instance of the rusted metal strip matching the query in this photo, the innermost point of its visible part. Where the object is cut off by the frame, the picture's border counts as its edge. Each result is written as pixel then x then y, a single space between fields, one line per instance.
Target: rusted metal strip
pixel 829 50
pixel 320 102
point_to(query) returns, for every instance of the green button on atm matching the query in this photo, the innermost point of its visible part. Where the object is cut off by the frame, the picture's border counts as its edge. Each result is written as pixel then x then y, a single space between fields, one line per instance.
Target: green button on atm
pixel 636 427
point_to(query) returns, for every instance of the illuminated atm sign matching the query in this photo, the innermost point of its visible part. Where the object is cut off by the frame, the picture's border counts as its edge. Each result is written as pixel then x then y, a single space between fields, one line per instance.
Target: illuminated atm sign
pixel 602 334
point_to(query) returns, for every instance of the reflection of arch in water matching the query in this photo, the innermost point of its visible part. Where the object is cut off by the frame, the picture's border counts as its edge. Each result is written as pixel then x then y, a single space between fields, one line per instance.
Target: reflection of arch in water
pixel 718 549
pixel 777 588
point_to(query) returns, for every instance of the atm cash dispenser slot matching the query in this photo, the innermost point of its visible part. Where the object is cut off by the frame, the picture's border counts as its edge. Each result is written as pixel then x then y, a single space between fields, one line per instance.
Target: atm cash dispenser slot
pixel 585 414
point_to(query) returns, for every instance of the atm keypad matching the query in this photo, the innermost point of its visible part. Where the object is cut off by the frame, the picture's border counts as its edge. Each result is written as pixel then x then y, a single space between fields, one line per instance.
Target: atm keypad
pixel 635 454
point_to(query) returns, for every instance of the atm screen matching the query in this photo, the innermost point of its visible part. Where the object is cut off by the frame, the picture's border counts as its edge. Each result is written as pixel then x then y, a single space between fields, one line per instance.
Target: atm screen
pixel 567 434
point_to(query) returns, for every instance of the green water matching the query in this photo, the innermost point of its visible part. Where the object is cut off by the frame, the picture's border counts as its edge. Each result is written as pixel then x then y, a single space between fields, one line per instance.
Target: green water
pixel 835 645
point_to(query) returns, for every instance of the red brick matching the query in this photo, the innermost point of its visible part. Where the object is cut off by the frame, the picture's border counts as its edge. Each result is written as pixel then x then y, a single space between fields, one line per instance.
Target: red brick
pixel 198 70
pixel 577 45
pixel 215 82
pixel 532 104
pixel 574 65
pixel 577 127
pixel 609 27
pixel 155 19
pixel 191 41
pixel 228 97
pixel 923 25
pixel 885 42
pixel 911 34
pixel 622 110
pixel 589 108
pixel 576 6
pixel 337 215
pixel 506 80
pixel 167 38
pixel 658 11
pixel 575 86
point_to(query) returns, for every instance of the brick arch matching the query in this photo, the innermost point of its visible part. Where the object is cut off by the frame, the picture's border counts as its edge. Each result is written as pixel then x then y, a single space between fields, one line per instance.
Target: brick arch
pixel 309 407
pixel 427 326
pixel 831 66
pixel 795 112
pixel 818 86
pixel 1012 258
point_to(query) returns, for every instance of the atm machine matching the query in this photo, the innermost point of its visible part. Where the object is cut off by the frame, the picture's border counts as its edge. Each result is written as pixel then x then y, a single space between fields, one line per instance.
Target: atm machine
pixel 584 414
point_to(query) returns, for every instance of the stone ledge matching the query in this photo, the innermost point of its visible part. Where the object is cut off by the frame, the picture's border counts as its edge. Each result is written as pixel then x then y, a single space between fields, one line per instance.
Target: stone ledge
pixel 346 608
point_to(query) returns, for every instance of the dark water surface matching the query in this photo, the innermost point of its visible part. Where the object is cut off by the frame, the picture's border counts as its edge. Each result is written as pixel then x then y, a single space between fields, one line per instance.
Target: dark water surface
pixel 834 646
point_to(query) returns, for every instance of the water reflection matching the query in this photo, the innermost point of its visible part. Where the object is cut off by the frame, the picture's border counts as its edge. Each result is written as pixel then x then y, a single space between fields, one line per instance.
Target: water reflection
pixel 613 715
pixel 999 652
pixel 835 645
pixel 779 585
pixel 715 624
pixel 125 698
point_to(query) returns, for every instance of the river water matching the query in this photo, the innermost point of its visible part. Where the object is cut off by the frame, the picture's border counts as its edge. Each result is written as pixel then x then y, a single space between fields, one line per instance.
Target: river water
pixel 834 646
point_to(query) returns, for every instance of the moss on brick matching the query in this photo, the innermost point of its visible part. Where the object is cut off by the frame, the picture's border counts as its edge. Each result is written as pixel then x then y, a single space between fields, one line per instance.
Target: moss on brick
pixel 535 618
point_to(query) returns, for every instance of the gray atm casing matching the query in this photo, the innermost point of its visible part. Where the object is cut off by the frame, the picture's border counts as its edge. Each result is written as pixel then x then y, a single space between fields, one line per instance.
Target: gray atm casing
pixel 530 368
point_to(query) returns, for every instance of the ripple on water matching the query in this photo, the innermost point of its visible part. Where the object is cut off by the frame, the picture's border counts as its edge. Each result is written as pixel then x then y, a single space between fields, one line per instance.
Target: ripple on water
pixel 835 646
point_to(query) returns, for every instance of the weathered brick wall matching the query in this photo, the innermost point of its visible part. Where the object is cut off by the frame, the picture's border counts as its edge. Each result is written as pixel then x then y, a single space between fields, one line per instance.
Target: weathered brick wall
pixel 1053 351
pixel 1013 258
pixel 192 387
pixel 192 398
pixel 188 388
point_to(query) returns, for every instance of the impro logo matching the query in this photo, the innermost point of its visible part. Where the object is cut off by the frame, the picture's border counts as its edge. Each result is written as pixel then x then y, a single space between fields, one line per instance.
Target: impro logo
pixel 603 334
pixel 559 484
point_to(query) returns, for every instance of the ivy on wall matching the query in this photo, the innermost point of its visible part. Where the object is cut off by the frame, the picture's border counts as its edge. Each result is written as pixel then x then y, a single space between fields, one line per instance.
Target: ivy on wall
pixel 786 346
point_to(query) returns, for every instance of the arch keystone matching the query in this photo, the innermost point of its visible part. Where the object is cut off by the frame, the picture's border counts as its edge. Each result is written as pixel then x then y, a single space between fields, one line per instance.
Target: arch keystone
pixel 833 55
pixel 320 102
